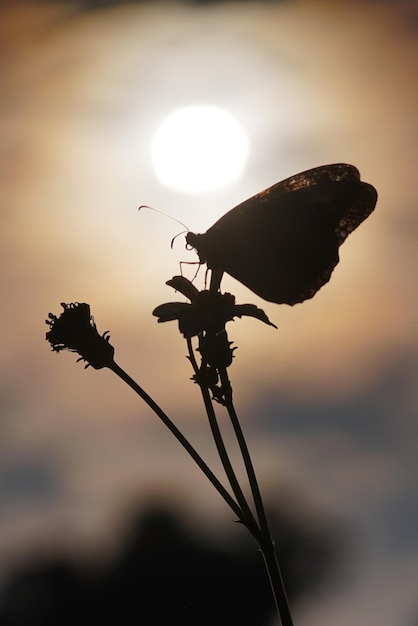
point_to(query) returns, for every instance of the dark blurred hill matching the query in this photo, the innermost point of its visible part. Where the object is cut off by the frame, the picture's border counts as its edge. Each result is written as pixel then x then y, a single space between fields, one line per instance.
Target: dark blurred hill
pixel 168 574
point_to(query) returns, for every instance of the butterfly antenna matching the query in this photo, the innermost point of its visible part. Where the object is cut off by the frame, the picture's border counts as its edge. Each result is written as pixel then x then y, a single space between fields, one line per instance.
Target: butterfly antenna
pixel 175 237
pixel 151 208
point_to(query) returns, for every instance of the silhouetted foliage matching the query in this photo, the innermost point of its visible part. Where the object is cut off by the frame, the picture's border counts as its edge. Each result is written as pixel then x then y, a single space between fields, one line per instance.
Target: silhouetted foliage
pixel 168 574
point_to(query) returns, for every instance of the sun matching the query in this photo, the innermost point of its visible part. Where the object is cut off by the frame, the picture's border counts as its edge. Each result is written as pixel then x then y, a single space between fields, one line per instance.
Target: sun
pixel 199 148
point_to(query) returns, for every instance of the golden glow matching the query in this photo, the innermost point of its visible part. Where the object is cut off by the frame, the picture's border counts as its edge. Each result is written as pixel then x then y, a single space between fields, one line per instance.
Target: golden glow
pixel 199 148
pixel 329 398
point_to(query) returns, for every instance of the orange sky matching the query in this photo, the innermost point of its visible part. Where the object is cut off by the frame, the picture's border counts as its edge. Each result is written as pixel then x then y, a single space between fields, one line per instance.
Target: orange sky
pixel 312 83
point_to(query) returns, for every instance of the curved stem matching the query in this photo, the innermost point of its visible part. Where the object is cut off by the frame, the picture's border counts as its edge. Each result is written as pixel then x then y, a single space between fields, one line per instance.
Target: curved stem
pixel 249 519
pixel 252 479
pixel 267 546
pixel 180 438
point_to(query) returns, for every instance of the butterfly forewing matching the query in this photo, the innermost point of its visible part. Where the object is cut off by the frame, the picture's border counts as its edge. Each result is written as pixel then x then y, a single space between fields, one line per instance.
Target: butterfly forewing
pixel 283 242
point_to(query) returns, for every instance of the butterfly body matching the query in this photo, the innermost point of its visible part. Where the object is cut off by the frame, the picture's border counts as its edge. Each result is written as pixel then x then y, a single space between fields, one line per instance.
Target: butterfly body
pixel 283 242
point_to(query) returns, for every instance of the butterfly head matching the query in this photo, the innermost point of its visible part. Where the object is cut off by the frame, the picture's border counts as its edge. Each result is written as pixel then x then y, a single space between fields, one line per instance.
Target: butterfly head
pixel 196 241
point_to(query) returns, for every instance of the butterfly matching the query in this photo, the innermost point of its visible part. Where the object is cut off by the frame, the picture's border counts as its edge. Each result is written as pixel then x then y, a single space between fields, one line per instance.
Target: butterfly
pixel 283 242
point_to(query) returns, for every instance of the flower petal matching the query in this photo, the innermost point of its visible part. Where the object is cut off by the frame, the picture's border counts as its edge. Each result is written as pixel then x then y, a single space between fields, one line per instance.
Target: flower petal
pixel 184 286
pixel 251 310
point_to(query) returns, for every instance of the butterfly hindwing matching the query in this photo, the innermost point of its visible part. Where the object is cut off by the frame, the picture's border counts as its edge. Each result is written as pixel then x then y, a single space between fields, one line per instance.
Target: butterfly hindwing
pixel 283 242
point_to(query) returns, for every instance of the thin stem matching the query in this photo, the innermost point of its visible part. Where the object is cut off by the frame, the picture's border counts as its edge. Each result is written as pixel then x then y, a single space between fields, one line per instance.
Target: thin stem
pixel 271 562
pixel 267 546
pixel 249 519
pixel 180 438
pixel 226 386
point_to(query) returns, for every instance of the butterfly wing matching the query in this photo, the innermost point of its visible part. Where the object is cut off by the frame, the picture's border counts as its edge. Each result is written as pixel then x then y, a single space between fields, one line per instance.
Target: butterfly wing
pixel 283 242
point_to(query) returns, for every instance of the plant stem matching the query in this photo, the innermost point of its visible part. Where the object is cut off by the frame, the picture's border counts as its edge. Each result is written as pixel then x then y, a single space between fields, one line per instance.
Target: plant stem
pixel 249 519
pixel 227 389
pixel 180 438
pixel 271 562
pixel 266 543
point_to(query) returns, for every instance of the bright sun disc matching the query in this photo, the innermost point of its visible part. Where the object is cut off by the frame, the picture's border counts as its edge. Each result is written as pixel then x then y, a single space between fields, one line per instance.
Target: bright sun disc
pixel 198 149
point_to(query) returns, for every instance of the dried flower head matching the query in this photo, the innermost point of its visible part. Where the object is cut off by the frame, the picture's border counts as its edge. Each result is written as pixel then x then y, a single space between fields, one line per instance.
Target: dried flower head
pixel 75 330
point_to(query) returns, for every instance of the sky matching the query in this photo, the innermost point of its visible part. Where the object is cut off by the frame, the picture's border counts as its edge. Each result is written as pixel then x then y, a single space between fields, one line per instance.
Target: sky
pixel 329 399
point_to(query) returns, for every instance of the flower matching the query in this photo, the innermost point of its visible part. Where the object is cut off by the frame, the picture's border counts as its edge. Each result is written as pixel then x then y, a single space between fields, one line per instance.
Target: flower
pixel 207 311
pixel 76 331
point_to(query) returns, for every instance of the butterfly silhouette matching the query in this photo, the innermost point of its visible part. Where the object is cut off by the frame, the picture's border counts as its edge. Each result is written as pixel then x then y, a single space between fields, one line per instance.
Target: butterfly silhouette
pixel 283 242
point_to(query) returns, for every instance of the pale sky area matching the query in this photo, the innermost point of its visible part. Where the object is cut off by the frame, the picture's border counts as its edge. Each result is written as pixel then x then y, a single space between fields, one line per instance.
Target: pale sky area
pixel 328 400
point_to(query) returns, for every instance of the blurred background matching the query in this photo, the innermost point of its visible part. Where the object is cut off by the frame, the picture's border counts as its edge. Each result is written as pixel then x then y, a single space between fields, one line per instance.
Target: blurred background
pixel 328 402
